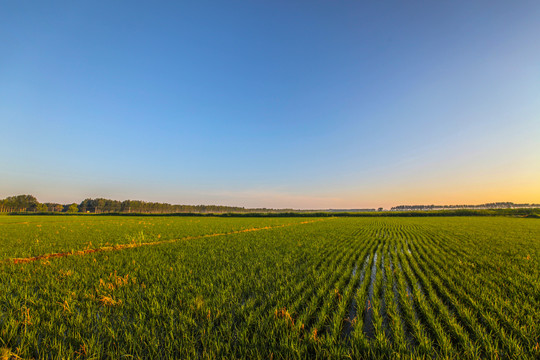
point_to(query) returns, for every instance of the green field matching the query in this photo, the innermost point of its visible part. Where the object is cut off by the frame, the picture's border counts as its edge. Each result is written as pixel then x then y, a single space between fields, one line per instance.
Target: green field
pixel 272 288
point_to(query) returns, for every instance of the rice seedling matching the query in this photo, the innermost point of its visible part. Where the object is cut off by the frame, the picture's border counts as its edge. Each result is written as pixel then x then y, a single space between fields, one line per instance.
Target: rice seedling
pixel 269 287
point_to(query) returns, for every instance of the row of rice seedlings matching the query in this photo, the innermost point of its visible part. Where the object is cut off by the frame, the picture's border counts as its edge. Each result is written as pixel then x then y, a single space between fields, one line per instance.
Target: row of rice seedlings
pixel 284 311
pixel 501 285
pixel 298 299
pixel 521 277
pixel 261 306
pixel 368 313
pixel 382 297
pixel 443 343
pixel 329 296
pixel 358 339
pixel 346 299
pixel 353 307
pixel 330 257
pixel 380 344
pixel 511 287
pixel 393 309
pixel 491 301
pixel 286 300
pixel 468 316
pixel 413 293
pixel 490 346
pixel 511 304
pixel 339 242
pixel 459 336
pixel 273 333
pixel 311 301
pixel 308 314
pixel 329 319
pixel 481 315
pixel 422 343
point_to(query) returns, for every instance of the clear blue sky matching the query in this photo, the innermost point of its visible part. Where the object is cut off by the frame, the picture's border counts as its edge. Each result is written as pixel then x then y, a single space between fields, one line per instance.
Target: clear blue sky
pixel 304 104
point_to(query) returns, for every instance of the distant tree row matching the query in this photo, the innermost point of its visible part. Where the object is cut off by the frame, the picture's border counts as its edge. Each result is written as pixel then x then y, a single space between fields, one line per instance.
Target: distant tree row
pixel 495 205
pixel 28 203
pixel 100 205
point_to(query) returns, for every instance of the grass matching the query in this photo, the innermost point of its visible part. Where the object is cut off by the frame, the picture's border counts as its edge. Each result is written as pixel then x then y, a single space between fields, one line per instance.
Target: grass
pixel 336 288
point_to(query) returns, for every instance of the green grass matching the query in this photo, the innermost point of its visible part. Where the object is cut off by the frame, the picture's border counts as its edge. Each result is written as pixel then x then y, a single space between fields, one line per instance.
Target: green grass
pixel 26 236
pixel 438 287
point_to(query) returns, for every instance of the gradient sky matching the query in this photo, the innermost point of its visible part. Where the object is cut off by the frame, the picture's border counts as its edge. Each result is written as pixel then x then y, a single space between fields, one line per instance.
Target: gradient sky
pixel 303 104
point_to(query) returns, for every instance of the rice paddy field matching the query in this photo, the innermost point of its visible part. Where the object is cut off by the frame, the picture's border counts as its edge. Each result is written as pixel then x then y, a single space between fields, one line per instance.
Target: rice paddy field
pixel 111 287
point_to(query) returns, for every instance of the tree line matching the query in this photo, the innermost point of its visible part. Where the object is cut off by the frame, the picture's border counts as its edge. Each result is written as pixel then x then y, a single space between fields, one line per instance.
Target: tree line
pixel 101 205
pixel 29 203
pixel 494 205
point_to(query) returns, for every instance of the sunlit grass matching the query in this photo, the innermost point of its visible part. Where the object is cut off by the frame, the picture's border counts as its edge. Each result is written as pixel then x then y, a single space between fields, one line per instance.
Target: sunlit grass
pixel 339 288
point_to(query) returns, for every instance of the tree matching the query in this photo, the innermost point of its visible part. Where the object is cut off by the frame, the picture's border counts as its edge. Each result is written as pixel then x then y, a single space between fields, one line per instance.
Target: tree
pixel 73 208
pixel 20 202
pixel 42 208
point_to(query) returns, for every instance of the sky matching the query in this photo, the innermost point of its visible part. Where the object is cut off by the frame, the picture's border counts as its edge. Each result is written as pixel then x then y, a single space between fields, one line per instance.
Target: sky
pixel 280 104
